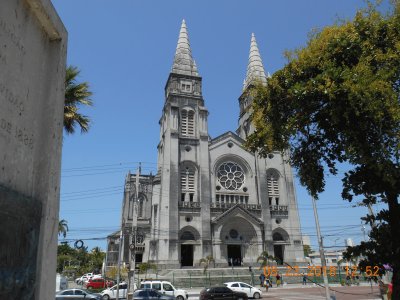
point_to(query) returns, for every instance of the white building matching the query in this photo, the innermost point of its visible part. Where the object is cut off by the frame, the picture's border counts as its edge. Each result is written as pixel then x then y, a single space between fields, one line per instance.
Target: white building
pixel 331 257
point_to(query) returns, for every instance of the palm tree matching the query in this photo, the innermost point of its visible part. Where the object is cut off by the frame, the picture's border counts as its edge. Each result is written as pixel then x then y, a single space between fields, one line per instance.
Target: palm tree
pixel 63 228
pixel 206 262
pixel 264 259
pixel 76 94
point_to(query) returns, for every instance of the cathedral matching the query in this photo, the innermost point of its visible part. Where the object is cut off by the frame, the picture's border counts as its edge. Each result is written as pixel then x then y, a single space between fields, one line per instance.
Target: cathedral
pixel 210 196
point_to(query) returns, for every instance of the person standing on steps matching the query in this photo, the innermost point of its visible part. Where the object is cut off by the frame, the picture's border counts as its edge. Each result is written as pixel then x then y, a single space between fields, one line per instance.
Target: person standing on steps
pixel 266 283
pixel 304 279
pixel 262 278
pixel 278 280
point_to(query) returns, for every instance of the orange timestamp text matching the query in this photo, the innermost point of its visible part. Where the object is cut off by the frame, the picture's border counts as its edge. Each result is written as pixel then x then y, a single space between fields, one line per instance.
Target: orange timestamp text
pixel 293 271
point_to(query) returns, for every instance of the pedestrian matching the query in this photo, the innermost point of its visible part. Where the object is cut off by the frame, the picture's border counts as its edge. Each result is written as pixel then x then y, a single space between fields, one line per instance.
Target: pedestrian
pixel 278 280
pixel 348 281
pixel 266 284
pixel 262 278
pixel 304 279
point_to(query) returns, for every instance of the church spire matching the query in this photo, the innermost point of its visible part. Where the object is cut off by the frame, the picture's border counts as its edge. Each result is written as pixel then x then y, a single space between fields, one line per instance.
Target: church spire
pixel 255 68
pixel 183 61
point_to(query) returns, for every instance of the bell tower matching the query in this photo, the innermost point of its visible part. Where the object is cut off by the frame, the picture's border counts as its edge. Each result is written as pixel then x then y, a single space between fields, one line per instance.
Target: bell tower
pixel 255 72
pixel 183 158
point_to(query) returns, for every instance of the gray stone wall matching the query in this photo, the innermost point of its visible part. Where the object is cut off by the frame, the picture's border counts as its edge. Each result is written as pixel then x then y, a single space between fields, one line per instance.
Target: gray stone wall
pixel 32 72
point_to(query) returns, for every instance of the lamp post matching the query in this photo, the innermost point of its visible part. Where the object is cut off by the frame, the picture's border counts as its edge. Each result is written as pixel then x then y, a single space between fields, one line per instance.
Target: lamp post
pixel 337 261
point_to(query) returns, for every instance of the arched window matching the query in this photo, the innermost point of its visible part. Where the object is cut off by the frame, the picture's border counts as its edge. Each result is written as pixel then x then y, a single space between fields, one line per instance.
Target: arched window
pixel 273 188
pixel 187 122
pixel 188 183
pixel 141 206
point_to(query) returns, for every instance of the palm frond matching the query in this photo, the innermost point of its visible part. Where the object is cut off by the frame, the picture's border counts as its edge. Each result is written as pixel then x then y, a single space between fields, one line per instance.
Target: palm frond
pixel 76 95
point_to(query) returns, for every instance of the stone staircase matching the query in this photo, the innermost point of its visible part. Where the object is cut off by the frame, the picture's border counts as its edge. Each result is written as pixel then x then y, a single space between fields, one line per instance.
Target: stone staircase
pixel 189 278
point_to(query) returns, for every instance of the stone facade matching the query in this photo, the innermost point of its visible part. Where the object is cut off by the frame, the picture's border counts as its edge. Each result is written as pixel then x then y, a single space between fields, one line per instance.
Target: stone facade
pixel 210 196
pixel 32 75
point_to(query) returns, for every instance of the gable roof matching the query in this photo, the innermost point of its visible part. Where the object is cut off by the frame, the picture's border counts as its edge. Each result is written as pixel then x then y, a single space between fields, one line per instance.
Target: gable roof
pixel 238 207
pixel 226 135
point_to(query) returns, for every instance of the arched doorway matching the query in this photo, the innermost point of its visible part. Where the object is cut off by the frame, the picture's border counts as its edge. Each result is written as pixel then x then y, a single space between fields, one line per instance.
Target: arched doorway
pixel 279 238
pixel 188 236
pixel 236 235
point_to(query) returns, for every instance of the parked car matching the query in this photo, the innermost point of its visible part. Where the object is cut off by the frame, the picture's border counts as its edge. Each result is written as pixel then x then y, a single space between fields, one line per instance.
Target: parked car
pixel 164 287
pixel 98 283
pixel 251 291
pixel 221 292
pixel 77 294
pixel 111 293
pixel 151 294
pixel 83 278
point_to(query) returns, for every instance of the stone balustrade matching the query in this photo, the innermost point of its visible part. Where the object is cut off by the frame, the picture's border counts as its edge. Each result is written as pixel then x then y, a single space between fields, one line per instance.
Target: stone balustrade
pixel 279 211
pixel 218 205
pixel 192 205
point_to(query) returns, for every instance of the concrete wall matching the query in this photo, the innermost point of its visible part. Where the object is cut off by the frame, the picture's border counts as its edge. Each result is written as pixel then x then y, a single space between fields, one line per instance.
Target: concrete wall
pixel 32 72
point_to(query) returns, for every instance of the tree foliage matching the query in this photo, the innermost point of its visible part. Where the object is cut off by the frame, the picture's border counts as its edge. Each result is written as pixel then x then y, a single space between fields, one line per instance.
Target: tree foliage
pixel 337 101
pixel 63 228
pixel 206 262
pixel 76 95
pixel 146 266
pixel 264 259
pixel 307 250
pixel 79 260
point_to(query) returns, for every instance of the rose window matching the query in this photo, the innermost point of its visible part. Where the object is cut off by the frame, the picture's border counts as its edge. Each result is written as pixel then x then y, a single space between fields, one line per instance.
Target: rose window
pixel 230 176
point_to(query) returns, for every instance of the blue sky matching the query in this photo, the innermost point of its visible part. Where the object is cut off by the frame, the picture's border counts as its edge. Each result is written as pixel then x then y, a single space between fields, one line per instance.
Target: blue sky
pixel 125 50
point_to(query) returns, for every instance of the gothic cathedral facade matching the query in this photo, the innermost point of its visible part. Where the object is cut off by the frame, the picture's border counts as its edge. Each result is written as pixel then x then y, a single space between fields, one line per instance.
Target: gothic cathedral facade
pixel 211 196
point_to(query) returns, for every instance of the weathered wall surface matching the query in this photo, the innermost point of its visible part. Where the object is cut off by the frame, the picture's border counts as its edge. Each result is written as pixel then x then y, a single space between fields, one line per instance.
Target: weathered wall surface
pixel 32 71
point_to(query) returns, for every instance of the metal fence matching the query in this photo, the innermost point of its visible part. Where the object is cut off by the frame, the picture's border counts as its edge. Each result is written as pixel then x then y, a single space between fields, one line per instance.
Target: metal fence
pixel 218 278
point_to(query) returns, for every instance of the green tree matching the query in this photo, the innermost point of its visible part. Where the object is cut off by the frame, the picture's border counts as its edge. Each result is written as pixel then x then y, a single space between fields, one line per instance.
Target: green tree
pixel 65 249
pixel 337 101
pixel 76 95
pixel 264 259
pixel 96 258
pixel 206 261
pixel 307 250
pixel 146 266
pixel 63 228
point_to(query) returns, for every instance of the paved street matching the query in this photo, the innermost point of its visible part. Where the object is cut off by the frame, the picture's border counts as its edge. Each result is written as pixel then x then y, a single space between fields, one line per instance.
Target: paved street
pixel 298 292
pixel 316 293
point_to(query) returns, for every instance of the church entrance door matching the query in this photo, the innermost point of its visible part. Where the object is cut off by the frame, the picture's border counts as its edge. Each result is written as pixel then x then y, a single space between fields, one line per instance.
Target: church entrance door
pixel 278 253
pixel 187 255
pixel 234 255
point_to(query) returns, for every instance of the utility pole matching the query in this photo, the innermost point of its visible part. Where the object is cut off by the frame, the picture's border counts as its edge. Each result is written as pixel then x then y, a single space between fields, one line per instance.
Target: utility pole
pixel 371 211
pixel 321 250
pixel 121 236
pixel 134 231
pixel 363 230
pixel 121 239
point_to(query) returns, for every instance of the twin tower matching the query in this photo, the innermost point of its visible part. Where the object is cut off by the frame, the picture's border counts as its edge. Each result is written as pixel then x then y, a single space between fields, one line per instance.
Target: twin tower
pixel 210 196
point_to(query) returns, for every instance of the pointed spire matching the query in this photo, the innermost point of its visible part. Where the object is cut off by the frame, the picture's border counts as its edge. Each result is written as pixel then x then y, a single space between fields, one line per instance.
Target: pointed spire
pixel 255 68
pixel 183 60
